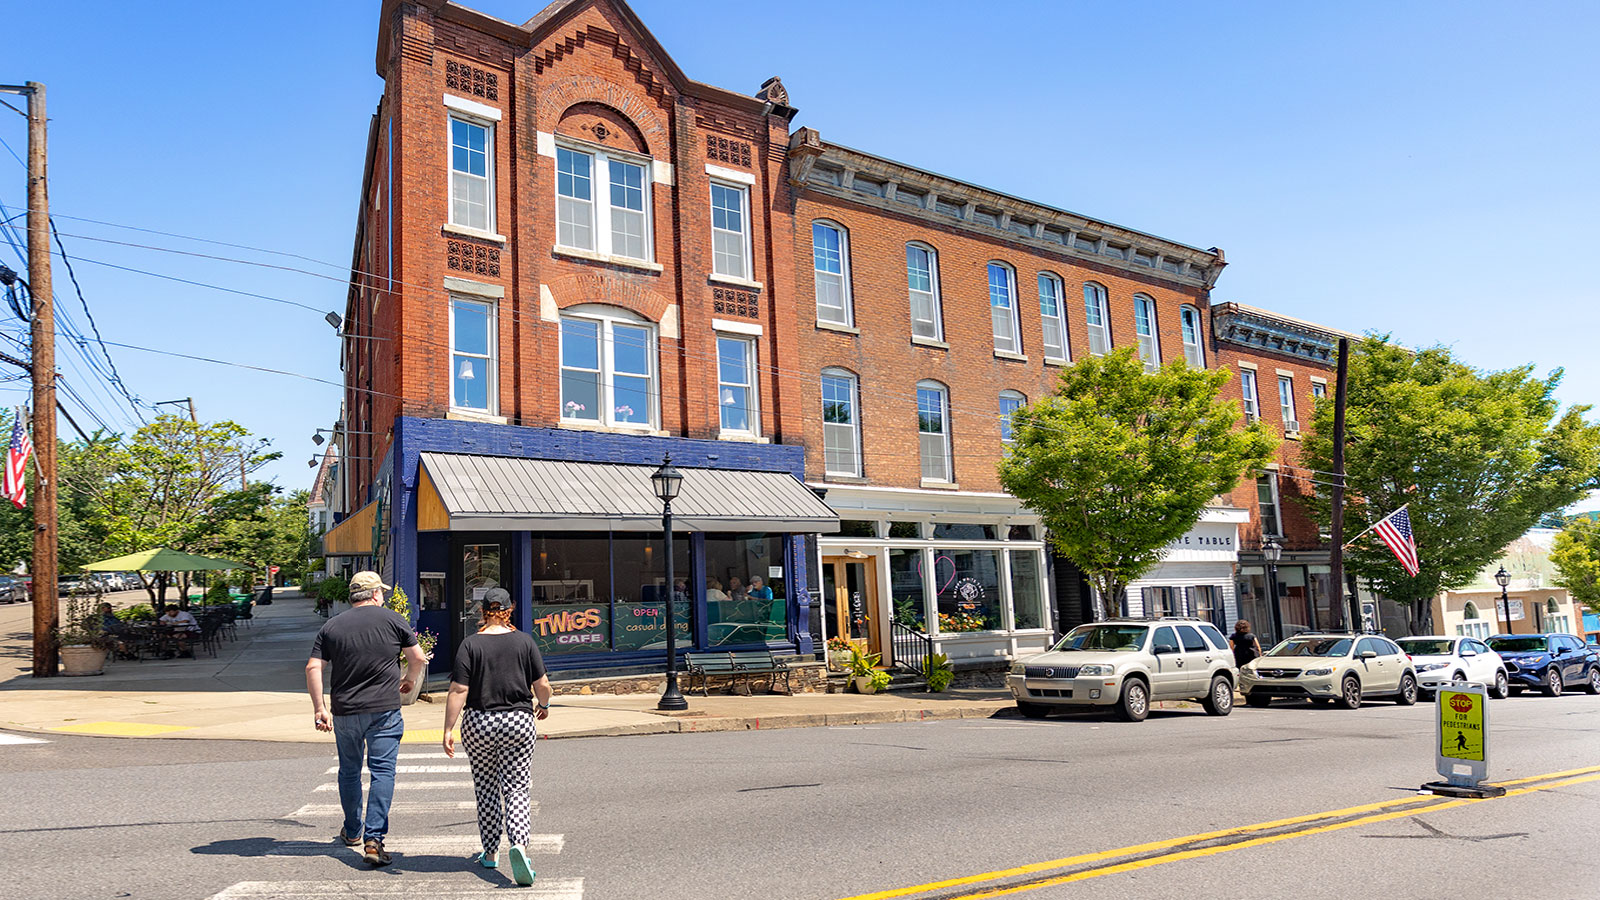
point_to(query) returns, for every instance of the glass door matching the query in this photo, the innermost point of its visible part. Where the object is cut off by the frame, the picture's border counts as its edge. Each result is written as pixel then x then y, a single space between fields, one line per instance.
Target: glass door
pixel 851 586
pixel 480 569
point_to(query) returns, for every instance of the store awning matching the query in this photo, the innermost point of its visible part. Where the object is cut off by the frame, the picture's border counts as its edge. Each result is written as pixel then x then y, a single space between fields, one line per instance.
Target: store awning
pixel 353 536
pixel 460 492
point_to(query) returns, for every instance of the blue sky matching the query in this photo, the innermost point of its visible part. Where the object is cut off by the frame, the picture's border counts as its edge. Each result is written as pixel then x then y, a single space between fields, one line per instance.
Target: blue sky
pixel 1424 169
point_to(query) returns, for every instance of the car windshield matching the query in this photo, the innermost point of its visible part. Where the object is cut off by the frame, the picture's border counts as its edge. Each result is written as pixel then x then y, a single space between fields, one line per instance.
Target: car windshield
pixel 1309 646
pixel 1104 637
pixel 1422 647
pixel 1518 644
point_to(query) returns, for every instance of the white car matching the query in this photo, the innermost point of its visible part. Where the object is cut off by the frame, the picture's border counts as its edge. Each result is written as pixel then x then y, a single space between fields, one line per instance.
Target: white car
pixel 1441 661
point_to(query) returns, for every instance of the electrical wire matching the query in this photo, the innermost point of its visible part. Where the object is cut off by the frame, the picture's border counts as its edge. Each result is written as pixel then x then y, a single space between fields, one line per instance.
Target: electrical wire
pixel 116 377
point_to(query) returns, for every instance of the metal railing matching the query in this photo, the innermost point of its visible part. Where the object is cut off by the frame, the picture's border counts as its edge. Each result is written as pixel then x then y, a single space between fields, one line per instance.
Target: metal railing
pixel 911 647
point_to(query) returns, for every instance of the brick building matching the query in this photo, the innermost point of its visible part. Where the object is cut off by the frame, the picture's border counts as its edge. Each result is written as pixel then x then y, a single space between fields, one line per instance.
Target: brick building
pixel 571 260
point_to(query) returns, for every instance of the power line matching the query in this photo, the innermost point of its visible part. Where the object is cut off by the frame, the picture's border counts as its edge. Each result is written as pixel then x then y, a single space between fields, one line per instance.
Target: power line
pixel 116 377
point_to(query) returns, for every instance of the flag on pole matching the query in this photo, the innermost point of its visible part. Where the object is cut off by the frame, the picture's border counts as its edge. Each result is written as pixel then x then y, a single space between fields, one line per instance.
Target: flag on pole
pixel 16 486
pixel 1395 532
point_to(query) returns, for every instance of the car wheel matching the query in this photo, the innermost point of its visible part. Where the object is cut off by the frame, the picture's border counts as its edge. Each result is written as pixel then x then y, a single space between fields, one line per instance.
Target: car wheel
pixel 1135 702
pixel 1350 693
pixel 1259 701
pixel 1552 685
pixel 1408 690
pixel 1593 686
pixel 1219 700
pixel 1458 678
pixel 1502 688
pixel 1032 710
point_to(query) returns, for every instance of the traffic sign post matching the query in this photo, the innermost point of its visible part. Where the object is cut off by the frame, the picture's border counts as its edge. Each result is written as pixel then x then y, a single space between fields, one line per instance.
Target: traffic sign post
pixel 1461 742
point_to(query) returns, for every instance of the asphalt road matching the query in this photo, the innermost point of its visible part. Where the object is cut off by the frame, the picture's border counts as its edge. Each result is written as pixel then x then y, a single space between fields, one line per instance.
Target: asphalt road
pixel 829 813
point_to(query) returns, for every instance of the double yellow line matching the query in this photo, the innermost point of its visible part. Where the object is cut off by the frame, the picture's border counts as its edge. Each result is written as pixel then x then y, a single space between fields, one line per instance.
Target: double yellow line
pixel 1015 880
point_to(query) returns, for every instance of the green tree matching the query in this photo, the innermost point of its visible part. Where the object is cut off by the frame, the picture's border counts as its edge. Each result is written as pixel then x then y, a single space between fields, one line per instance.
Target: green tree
pixel 277 533
pixel 1119 462
pixel 1576 556
pixel 1479 456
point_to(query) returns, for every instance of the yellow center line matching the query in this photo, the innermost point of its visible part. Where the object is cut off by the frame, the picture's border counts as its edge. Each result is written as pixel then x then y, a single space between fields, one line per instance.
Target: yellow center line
pixel 1426 804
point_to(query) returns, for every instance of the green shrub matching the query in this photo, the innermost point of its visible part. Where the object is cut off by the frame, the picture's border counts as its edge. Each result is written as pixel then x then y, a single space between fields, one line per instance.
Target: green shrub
pixel 218 593
pixel 334 590
pixel 938 672
pixel 139 612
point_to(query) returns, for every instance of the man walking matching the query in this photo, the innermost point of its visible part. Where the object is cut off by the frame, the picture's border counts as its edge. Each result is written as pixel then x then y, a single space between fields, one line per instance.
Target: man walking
pixel 362 645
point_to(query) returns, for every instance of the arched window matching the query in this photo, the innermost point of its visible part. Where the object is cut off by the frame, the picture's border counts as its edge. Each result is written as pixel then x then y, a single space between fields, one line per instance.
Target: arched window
pixel 933 430
pixel 1010 402
pixel 1003 308
pixel 1551 606
pixel 1053 313
pixel 1470 611
pixel 922 280
pixel 1097 317
pixel 841 423
pixel 1194 352
pixel 830 250
pixel 1144 326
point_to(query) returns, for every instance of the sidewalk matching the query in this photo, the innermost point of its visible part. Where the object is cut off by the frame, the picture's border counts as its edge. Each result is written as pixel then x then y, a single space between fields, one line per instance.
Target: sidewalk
pixel 255 690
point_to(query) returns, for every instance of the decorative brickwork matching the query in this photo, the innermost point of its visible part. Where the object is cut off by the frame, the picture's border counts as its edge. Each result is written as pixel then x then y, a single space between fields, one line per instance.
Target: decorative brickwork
pixel 471 80
pixel 729 302
pixel 474 259
pixel 734 153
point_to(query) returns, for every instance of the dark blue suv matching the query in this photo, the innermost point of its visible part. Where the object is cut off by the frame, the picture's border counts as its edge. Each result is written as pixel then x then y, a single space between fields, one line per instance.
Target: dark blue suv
pixel 1548 662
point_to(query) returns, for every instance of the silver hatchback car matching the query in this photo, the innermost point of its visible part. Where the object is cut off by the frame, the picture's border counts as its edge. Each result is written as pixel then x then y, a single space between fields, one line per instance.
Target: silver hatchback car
pixel 1128 663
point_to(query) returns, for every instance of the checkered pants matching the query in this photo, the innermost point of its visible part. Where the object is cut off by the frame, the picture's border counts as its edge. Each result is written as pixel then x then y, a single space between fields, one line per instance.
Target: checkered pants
pixel 500 748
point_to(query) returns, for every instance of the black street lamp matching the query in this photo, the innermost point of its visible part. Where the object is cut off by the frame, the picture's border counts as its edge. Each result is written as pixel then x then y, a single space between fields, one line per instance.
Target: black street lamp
pixel 1273 551
pixel 1503 578
pixel 667 481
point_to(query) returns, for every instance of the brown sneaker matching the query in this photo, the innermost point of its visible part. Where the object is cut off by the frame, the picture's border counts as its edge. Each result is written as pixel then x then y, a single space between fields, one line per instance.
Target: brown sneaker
pixel 348 840
pixel 374 853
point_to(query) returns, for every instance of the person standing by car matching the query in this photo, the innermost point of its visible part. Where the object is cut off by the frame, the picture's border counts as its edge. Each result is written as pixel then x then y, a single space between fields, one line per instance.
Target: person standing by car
pixel 498 674
pixel 1245 645
pixel 362 645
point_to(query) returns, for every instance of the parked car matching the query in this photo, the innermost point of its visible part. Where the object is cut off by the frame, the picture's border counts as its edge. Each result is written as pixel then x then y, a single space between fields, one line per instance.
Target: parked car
pixel 12 590
pixel 1548 662
pixel 1441 661
pixel 1128 663
pixel 1342 668
pixel 73 584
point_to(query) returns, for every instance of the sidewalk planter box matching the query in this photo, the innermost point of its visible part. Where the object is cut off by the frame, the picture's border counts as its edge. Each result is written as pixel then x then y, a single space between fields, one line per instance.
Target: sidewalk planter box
pixel 83 660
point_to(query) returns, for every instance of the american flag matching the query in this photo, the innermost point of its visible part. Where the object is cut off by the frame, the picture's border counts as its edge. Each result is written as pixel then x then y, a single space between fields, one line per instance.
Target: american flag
pixel 16 486
pixel 1395 532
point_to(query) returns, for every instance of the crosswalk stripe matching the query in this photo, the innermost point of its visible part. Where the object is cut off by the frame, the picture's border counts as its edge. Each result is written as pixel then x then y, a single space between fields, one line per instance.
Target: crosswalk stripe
pixel 414 770
pixel 415 806
pixel 8 738
pixel 442 845
pixel 439 754
pixel 407 785
pixel 543 889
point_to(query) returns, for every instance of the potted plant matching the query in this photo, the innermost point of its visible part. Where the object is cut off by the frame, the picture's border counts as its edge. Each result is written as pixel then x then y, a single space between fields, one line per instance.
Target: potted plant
pixel 864 671
pixel 839 650
pixel 79 639
pixel 938 672
pixel 426 641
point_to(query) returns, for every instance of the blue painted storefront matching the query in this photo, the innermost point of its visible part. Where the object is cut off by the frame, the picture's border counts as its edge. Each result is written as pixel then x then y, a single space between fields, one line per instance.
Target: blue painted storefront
pixel 409 552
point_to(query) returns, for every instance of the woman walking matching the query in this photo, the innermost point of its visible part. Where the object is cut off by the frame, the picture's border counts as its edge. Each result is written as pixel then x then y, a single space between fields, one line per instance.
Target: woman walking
pixel 498 674
pixel 1245 645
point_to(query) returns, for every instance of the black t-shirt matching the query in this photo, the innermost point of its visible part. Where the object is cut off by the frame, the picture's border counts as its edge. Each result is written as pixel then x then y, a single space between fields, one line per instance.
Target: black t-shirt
pixel 1244 647
pixel 362 645
pixel 499 670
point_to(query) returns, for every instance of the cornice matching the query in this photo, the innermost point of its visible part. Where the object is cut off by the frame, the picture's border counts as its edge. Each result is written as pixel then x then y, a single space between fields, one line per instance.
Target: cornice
pixel 1258 329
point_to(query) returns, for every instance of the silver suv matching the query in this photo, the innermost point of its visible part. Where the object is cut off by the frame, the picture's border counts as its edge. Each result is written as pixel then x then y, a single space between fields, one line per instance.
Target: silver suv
pixel 1128 663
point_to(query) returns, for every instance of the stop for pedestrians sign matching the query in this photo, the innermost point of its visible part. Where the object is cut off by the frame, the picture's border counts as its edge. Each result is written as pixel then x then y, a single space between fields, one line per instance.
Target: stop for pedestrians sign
pixel 1461 735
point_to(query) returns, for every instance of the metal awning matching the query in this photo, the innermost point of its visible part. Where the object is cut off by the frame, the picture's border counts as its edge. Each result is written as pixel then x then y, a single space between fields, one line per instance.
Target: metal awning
pixel 461 492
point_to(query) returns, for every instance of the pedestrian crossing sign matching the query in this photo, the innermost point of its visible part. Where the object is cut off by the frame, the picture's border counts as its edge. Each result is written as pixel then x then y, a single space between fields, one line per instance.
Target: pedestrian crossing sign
pixel 1462 734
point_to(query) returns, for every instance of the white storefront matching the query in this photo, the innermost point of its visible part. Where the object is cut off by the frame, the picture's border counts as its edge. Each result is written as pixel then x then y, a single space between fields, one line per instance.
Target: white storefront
pixel 1196 574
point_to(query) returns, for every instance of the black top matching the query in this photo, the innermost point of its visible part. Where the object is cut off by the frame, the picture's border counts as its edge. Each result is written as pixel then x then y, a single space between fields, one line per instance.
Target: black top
pixel 499 670
pixel 363 646
pixel 1244 647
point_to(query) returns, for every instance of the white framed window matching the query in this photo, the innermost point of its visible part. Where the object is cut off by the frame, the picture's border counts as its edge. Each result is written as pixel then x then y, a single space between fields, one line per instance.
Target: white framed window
pixel 1010 402
pixel 933 430
pixel 471 174
pixel 841 428
pixel 736 384
pixel 730 230
pixel 1319 390
pixel 1286 403
pixel 1478 629
pixel 1003 308
pixel 472 354
pixel 623 210
pixel 1252 398
pixel 608 371
pixel 830 254
pixel 1053 314
pixel 1267 505
pixel 1144 326
pixel 922 279
pixel 1194 352
pixel 1097 317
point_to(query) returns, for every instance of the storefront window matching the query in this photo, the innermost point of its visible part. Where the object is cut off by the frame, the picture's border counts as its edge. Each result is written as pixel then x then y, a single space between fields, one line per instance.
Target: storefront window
pixel 571 589
pixel 639 592
pixel 905 588
pixel 968 590
pixel 1253 606
pixel 1027 600
pixel 1325 600
pixel 746 595
pixel 962 531
pixel 906 530
pixel 1294 600
pixel 857 528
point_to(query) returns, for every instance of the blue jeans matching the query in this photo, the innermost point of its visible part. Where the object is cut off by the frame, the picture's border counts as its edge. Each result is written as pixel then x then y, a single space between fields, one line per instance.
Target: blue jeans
pixel 377 736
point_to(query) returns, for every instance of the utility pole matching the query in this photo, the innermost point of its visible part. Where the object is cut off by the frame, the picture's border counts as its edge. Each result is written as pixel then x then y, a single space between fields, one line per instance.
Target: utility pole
pixel 1336 528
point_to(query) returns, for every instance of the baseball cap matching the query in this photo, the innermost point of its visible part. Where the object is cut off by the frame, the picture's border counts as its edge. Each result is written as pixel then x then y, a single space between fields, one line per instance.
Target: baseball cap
pixel 366 581
pixel 497 600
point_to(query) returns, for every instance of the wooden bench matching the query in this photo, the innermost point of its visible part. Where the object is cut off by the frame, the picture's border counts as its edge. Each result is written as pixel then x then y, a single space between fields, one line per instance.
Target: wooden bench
pixel 735 665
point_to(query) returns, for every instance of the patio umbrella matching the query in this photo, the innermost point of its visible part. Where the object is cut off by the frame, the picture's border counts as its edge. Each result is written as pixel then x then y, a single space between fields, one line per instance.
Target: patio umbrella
pixel 160 559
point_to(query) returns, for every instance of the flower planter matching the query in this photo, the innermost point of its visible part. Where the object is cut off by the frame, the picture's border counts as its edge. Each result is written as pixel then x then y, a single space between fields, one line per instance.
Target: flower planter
pixel 863 684
pixel 409 697
pixel 83 660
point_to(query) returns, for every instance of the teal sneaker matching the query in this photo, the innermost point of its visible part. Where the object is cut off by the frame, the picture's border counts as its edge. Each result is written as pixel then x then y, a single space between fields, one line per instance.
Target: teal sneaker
pixel 488 860
pixel 521 872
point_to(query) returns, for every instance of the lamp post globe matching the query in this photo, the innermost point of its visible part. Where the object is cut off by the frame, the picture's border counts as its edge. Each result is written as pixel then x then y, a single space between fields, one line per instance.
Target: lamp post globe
pixel 667 480
pixel 1272 551
pixel 1503 578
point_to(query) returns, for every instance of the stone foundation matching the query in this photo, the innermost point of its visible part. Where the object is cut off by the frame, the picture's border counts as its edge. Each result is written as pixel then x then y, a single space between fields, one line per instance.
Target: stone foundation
pixel 804 678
